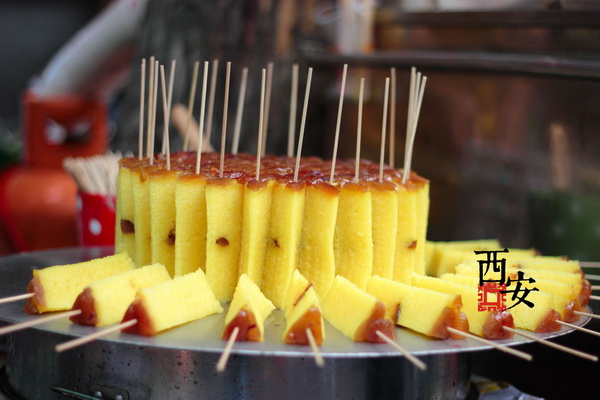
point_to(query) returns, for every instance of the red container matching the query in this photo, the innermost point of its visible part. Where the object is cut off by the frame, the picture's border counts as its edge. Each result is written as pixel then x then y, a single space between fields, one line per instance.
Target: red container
pixel 96 219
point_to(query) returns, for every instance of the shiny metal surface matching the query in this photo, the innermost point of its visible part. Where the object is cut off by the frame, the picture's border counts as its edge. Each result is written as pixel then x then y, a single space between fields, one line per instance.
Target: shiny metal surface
pixel 180 363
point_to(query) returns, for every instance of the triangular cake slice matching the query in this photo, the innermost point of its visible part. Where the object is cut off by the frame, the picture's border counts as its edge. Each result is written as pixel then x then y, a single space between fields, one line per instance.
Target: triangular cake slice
pixel 248 311
pixel 302 312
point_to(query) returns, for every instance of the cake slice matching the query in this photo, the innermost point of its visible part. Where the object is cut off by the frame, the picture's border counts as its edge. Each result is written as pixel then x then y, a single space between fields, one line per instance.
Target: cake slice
pixel 162 218
pixel 141 203
pixel 248 311
pixel 302 312
pixel 422 222
pixel 548 263
pixel 406 239
pixel 256 217
pixel 353 239
pixel 540 319
pixel 487 324
pixel 317 259
pixel 190 224
pixel 454 252
pixel 104 302
pixel 57 287
pixel 384 200
pixel 125 214
pixel 175 302
pixel 564 297
pixel 285 228
pixel 421 310
pixel 224 204
pixel 356 313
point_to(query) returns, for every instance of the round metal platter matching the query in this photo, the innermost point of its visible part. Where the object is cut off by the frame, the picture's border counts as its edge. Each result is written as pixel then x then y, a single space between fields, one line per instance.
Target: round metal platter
pixel 205 335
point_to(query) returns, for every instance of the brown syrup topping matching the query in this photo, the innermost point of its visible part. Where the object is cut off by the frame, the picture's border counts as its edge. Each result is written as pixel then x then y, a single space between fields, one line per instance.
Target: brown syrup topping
pixel 570 315
pixel 85 302
pixel 548 323
pixel 461 323
pixel 144 325
pixel 245 321
pixel 492 327
pixel 33 304
pixel 127 226
pixel 367 331
pixel 586 290
pixel 310 320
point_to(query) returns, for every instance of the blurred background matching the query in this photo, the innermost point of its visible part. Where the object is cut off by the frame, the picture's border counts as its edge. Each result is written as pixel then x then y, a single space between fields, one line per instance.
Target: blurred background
pixel 507 133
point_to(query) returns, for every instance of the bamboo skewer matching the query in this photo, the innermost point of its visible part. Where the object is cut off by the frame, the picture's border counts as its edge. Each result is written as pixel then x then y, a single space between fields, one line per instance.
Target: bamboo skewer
pixel 419 91
pixel 293 111
pixel 579 328
pixel 338 124
pixel 392 161
pixel 37 321
pixel 506 349
pixel 315 348
pixel 359 127
pixel 222 363
pixel 71 344
pixel 16 298
pixel 154 101
pixel 260 123
pixel 224 129
pixel 167 112
pixel 267 106
pixel 594 297
pixel 383 127
pixel 589 264
pixel 211 99
pixel 414 360
pixel 201 124
pixel 141 122
pixel 585 314
pixel 150 97
pixel 166 146
pixel 302 125
pixel 592 277
pixel 552 344
pixel 595 287
pixel 191 105
pixel 240 112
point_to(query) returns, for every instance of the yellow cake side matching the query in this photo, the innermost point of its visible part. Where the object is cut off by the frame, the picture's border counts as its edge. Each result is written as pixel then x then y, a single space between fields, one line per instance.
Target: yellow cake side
pixel 287 207
pixel 406 238
pixel 306 306
pixel 190 224
pixel 422 223
pixel 179 301
pixel 437 266
pixel 162 218
pixel 114 294
pixel 57 287
pixel 317 259
pixel 384 199
pixel 224 205
pixel 250 298
pixel 413 307
pixel 256 217
pixel 346 306
pixel 141 203
pixel 353 239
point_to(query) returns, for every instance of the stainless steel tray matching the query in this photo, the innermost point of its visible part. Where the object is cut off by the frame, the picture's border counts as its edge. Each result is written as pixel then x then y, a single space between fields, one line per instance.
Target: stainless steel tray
pixel 180 363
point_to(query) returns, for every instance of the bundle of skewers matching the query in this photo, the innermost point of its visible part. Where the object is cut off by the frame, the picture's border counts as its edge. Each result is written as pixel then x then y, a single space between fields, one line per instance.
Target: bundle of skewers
pixel 157 302
pixel 95 174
